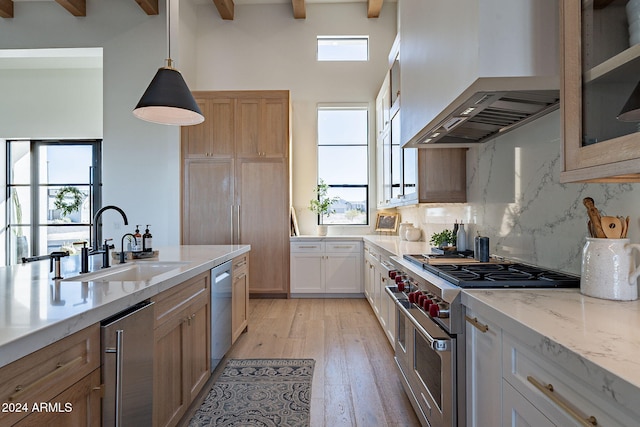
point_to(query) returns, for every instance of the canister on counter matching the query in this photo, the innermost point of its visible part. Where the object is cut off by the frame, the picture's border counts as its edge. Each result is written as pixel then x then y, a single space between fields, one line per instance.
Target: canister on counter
pixel 483 248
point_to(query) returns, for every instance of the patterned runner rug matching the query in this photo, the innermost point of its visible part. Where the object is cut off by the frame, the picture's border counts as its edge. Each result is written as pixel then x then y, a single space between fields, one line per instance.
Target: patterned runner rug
pixel 259 392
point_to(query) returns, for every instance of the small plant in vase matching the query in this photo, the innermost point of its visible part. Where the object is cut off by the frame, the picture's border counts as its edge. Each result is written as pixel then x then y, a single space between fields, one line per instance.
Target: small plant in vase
pixel 321 205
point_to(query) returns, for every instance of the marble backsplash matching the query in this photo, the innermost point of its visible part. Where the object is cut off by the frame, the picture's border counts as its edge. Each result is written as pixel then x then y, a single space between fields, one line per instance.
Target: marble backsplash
pixel 515 198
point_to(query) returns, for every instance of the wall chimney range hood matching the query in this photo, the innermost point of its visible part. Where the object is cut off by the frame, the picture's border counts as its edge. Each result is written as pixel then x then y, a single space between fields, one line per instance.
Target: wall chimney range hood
pixel 472 70
pixel 490 107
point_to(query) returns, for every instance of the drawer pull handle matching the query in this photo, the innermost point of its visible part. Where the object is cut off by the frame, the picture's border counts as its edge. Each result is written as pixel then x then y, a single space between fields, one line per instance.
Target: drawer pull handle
pixel 308 247
pixel 549 392
pixel 343 246
pixel 477 324
pixel 241 263
pixel 20 390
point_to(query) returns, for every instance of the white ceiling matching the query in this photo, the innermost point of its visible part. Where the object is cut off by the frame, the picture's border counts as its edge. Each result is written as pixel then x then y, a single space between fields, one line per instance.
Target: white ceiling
pixel 92 57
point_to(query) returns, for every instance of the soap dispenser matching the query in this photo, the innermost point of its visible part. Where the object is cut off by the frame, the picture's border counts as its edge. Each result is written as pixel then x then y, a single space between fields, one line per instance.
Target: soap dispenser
pixel 137 246
pixel 147 240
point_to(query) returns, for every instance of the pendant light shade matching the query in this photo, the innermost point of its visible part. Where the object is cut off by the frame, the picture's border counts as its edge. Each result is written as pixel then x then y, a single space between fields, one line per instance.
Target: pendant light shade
pixel 631 110
pixel 168 100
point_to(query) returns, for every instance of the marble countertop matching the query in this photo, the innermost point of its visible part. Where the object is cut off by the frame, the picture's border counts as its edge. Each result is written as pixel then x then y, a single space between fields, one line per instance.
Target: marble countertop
pixel 596 340
pixel 37 311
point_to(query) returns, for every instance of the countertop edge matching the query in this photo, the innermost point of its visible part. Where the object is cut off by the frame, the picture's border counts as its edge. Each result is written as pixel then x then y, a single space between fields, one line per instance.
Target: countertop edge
pixel 41 337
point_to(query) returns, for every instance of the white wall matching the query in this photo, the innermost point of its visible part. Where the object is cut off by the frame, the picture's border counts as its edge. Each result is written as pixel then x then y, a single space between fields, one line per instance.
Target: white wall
pixel 51 103
pixel 264 47
pixel 140 159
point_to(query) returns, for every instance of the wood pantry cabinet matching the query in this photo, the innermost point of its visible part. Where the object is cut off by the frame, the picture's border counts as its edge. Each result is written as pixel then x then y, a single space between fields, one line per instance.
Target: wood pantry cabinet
pixel 64 373
pixel 600 62
pixel 182 337
pixel 240 296
pixel 235 180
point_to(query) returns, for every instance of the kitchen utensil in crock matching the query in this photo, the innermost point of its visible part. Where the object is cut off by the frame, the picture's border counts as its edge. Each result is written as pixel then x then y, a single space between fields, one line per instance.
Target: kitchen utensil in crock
pixel 612 227
pixel 594 216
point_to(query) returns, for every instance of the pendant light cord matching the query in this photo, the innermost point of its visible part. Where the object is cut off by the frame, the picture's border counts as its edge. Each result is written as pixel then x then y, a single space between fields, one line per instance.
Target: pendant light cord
pixel 169 60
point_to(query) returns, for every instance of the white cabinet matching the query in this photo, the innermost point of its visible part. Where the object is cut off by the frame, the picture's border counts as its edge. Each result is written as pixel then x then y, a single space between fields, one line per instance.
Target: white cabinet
pixel 326 267
pixel 376 279
pixel 561 397
pixel 519 412
pixel 483 371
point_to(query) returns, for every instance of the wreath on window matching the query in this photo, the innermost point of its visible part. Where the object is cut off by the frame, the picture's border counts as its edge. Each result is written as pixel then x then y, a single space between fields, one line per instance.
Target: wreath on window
pixel 68 199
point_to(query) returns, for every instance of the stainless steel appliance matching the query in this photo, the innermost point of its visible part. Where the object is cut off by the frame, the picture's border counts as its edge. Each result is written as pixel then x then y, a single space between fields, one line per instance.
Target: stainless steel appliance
pixel 429 348
pixel 127 367
pixel 221 283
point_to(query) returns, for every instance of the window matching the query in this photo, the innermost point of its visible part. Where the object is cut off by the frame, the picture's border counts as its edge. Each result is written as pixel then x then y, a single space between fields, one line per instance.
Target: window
pixel 53 188
pixel 343 48
pixel 343 162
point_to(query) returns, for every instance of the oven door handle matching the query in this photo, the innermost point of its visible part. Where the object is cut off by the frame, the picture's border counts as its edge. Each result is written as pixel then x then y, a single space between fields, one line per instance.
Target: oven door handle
pixel 435 343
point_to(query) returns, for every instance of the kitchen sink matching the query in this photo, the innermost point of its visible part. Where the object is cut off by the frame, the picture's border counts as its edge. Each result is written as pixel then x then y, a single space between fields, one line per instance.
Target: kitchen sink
pixel 130 272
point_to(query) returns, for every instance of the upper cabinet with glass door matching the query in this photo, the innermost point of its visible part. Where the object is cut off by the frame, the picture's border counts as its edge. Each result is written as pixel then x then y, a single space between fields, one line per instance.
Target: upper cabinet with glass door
pixel 601 69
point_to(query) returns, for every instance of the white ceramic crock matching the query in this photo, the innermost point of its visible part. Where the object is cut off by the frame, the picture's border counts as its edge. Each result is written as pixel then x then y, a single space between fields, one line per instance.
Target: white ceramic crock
pixel 609 270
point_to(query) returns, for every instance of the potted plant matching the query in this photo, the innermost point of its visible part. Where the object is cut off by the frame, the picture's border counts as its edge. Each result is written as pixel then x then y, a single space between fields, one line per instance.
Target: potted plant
pixel 444 239
pixel 321 205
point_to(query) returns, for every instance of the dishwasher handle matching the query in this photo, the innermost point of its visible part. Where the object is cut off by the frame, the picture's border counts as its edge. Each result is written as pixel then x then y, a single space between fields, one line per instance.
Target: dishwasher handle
pixel 118 352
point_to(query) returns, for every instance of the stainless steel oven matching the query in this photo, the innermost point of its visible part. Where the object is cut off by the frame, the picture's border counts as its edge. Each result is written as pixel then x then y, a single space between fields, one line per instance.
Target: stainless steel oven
pixel 426 357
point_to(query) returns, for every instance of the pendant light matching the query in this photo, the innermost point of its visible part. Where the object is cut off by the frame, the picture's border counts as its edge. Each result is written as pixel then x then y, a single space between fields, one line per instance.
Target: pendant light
pixel 168 100
pixel 631 110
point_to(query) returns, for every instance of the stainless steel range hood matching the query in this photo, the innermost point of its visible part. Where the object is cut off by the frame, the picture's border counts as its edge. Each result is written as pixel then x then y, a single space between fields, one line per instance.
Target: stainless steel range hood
pixel 490 107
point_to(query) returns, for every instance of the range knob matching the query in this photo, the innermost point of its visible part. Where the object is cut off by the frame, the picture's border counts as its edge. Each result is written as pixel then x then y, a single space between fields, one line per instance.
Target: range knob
pixel 398 278
pixel 440 310
pixel 393 274
pixel 427 300
pixel 403 285
pixel 414 296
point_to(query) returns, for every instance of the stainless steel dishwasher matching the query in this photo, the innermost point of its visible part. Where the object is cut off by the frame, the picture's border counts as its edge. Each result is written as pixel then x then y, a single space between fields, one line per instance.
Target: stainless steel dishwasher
pixel 221 284
pixel 127 367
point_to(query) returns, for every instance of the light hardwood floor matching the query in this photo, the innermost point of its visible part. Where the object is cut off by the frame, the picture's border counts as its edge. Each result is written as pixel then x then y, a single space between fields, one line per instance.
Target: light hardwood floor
pixel 355 382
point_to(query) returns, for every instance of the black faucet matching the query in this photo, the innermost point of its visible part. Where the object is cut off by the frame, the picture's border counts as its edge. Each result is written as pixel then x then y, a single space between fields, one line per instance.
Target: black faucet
pixel 96 218
pixel 123 256
pixel 105 253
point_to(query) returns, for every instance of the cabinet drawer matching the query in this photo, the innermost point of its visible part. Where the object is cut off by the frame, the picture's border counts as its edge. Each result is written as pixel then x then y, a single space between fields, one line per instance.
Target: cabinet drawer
pixel 560 396
pixel 343 247
pixel 42 375
pixel 177 298
pixel 307 247
pixel 240 265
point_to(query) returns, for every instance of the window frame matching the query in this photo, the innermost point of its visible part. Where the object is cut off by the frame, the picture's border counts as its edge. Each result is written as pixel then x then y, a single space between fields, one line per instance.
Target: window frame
pixel 339 38
pixel 367 186
pixel 35 185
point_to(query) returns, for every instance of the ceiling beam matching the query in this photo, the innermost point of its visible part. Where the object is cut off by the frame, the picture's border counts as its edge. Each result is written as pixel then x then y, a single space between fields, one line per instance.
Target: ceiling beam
pixel 149 6
pixel 299 10
pixel 373 8
pixel 6 8
pixel 225 9
pixel 74 7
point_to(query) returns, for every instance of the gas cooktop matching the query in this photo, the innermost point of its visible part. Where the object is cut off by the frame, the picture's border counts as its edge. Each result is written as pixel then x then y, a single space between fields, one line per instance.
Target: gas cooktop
pixel 496 274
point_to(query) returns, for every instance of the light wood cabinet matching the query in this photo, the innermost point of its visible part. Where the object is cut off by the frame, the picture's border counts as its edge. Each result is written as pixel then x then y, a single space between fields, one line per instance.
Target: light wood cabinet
pixel 599 73
pixel 240 296
pixel 62 372
pixel 208 201
pixel 326 267
pixel 216 135
pixel 182 348
pixel 239 194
